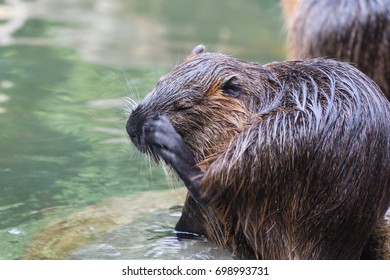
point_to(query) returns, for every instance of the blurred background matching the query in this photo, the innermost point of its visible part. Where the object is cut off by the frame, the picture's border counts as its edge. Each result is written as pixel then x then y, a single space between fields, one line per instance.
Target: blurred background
pixel 71 184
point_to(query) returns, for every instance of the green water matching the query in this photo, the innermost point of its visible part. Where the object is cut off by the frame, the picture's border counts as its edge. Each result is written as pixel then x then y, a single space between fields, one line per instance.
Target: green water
pixel 66 67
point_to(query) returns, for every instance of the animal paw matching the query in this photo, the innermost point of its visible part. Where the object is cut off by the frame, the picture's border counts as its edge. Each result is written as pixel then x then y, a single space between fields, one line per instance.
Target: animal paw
pixel 160 134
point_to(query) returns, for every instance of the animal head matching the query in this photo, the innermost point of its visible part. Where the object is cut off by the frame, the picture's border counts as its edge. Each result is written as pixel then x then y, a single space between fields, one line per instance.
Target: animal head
pixel 208 98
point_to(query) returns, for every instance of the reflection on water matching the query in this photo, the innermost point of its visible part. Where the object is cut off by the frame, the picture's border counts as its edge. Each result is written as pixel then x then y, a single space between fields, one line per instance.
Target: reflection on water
pixel 150 237
pixel 66 67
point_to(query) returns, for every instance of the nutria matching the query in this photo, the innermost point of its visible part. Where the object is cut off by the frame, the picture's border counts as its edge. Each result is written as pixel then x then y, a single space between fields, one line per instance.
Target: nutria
pixel 353 31
pixel 286 160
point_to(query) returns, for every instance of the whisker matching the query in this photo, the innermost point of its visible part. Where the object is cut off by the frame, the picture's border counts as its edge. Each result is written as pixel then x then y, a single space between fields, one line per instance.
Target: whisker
pixel 132 87
pixel 168 176
pixel 129 103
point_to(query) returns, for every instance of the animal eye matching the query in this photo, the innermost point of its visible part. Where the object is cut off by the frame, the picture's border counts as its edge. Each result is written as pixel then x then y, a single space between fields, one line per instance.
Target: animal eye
pixel 182 105
pixel 231 86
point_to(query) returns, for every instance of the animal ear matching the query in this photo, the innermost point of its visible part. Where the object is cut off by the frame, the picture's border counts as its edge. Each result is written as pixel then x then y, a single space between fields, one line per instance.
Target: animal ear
pixel 231 86
pixel 197 50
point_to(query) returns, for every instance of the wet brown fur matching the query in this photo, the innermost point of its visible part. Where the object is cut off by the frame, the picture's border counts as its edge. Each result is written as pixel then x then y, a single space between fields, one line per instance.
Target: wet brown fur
pixel 354 31
pixel 294 168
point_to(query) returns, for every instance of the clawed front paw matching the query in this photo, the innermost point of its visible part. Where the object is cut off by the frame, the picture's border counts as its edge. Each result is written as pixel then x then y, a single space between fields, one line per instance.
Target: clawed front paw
pixel 167 143
pixel 159 131
pixel 160 134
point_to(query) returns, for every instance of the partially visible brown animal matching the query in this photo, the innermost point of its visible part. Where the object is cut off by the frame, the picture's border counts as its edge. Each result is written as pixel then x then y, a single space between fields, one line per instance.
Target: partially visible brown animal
pixel 355 31
pixel 286 160
pixel 352 31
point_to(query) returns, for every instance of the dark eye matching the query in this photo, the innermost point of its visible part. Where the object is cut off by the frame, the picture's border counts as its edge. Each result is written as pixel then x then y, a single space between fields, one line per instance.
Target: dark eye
pixel 231 86
pixel 182 105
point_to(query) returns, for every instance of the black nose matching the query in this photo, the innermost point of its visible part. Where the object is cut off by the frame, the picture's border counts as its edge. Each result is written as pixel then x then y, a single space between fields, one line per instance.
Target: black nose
pixel 134 124
pixel 131 128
